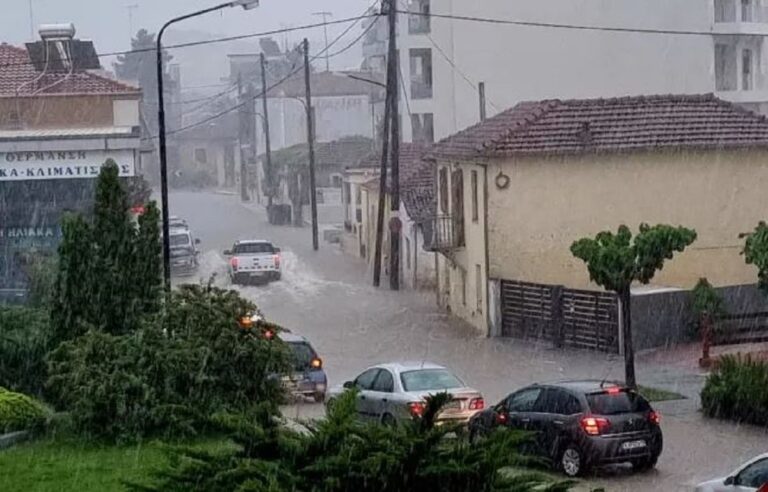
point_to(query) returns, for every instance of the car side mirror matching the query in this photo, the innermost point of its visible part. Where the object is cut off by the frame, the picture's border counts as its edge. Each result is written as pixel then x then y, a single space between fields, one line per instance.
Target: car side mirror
pixel 730 481
pixel 277 250
pixel 227 252
pixel 197 241
pixel 349 384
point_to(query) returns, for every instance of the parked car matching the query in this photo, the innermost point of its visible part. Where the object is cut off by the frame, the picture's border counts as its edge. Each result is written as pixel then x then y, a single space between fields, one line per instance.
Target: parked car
pixel 749 477
pixel 308 378
pixel 253 261
pixel 394 392
pixel 184 253
pixel 580 424
pixel 175 222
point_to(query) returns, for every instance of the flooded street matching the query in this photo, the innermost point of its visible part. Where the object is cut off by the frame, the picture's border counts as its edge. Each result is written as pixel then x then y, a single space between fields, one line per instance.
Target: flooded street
pixel 327 297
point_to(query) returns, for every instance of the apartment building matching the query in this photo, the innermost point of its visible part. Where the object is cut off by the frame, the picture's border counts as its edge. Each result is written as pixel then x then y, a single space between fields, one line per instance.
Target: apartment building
pixel 445 61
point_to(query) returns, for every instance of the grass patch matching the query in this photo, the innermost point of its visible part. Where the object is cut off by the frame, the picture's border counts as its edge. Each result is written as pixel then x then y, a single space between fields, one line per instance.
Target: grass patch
pixel 68 464
pixel 656 394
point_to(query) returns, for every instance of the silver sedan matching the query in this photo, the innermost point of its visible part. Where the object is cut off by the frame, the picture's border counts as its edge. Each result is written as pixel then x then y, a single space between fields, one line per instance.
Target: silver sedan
pixel 397 392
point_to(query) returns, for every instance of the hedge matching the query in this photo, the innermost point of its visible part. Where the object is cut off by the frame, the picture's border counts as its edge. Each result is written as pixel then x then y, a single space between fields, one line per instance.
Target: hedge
pixel 737 390
pixel 20 412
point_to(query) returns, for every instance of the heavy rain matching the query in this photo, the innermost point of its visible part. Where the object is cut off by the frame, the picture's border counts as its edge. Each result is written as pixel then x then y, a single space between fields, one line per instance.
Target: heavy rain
pixel 390 245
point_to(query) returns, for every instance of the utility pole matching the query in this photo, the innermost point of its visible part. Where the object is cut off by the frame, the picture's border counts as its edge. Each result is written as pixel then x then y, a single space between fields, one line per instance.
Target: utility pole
pixel 395 225
pixel 481 93
pixel 388 105
pixel 243 134
pixel 325 16
pixel 311 144
pixel 268 149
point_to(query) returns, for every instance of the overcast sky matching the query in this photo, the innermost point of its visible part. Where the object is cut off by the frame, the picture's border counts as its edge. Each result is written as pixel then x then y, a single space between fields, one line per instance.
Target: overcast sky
pixel 108 24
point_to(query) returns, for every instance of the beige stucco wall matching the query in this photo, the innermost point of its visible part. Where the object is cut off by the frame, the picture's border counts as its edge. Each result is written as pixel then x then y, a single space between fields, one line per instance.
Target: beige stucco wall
pixel 552 202
pixel 460 290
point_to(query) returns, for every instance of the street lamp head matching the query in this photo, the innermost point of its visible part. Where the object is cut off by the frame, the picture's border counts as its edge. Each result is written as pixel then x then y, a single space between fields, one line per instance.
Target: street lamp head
pixel 246 4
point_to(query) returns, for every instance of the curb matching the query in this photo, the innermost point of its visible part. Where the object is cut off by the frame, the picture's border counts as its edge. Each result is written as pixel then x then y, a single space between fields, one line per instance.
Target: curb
pixel 12 438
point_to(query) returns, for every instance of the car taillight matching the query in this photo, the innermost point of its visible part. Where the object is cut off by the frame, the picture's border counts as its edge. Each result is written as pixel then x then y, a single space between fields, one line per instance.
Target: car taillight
pixel 654 417
pixel 316 363
pixel 476 404
pixel 233 263
pixel 277 261
pixel 416 408
pixel 614 390
pixel 594 426
pixel 502 418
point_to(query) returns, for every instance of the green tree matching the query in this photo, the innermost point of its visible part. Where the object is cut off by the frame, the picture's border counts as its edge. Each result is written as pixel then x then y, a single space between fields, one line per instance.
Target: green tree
pixel 139 64
pixel 147 281
pixel 756 253
pixel 615 261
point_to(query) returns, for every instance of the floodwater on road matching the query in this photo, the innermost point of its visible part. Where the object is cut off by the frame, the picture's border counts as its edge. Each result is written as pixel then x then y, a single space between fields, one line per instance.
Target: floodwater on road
pixel 327 296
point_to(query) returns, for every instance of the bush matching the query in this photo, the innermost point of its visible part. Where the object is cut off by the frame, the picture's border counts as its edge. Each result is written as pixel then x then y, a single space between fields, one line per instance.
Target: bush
pixel 169 377
pixel 20 412
pixel 342 454
pixel 736 390
pixel 24 342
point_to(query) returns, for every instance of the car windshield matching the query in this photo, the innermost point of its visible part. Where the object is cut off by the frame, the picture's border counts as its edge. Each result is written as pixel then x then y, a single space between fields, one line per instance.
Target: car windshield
pixel 616 403
pixel 253 248
pixel 302 354
pixel 179 240
pixel 429 379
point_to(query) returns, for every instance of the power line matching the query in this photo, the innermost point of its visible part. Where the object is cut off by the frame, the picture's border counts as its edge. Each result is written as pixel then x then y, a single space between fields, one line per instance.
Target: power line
pixel 279 82
pixel 578 27
pixel 354 42
pixel 218 40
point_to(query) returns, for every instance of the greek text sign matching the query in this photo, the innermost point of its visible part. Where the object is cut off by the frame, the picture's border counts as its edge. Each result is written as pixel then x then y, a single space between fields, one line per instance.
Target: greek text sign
pixel 27 165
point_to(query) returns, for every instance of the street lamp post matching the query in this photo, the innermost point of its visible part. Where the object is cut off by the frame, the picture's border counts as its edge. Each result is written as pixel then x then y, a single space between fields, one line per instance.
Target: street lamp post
pixel 247 5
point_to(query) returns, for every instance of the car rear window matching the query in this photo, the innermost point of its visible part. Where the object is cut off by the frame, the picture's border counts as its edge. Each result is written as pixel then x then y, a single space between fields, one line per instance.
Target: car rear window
pixel 615 403
pixel 253 248
pixel 303 353
pixel 429 379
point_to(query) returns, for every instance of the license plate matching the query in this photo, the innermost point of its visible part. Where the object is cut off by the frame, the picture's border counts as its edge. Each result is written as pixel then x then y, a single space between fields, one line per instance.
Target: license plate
pixel 454 405
pixel 630 445
pixel 257 274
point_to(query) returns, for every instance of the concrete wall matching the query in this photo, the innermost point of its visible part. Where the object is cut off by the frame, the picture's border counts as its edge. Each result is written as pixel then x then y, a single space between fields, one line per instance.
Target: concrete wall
pixel 68 112
pixel 520 63
pixel 418 265
pixel 552 202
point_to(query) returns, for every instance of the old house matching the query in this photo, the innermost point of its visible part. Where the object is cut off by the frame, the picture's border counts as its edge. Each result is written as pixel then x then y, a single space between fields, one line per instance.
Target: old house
pixel 516 190
pixel 417 204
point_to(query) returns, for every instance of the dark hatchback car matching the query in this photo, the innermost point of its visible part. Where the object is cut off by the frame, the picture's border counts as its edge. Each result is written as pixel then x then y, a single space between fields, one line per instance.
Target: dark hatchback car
pixel 308 378
pixel 580 424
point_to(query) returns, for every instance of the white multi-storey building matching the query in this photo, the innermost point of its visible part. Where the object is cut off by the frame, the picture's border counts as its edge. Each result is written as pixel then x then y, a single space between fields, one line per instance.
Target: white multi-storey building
pixel 444 61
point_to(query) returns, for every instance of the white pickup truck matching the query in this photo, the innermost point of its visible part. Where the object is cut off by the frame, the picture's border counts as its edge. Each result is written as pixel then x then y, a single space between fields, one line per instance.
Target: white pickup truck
pixel 253 261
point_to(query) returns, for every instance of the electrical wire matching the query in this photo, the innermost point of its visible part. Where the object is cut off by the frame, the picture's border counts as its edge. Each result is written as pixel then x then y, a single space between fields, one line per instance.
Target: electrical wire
pixel 218 40
pixel 579 27
pixel 279 82
pixel 354 42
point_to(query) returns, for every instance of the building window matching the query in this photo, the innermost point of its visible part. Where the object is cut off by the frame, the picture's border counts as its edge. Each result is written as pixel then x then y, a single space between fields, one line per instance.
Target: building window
pixel 475 214
pixel 347 193
pixel 336 181
pixel 725 68
pixel 422 127
pixel 418 21
pixel 457 184
pixel 746 70
pixel 443 177
pixel 201 156
pixel 479 288
pixel 407 253
pixel 725 10
pixel 358 198
pixel 746 11
pixel 463 286
pixel 421 73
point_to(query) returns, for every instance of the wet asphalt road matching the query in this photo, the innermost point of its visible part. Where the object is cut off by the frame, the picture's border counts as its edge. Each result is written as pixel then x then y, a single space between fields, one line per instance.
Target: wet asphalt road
pixel 327 296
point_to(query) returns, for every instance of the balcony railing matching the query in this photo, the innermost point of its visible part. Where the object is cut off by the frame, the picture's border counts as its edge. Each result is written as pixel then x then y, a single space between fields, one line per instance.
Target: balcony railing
pixel 447 233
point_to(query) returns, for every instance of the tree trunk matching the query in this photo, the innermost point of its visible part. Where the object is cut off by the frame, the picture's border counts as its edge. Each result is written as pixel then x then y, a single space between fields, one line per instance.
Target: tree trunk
pixel 629 348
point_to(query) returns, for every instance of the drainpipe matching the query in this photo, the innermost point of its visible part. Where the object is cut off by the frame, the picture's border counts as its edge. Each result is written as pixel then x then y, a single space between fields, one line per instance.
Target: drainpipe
pixel 488 314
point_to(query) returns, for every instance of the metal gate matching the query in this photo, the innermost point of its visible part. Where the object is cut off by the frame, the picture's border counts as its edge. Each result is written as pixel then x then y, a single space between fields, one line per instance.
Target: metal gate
pixel 566 317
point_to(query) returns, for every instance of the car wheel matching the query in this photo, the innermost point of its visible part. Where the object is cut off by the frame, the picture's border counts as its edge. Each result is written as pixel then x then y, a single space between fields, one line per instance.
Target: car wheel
pixel 571 461
pixel 319 397
pixel 388 420
pixel 645 464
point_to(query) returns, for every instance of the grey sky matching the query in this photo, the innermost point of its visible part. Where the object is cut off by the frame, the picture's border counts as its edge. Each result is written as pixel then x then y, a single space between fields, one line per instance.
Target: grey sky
pixel 106 22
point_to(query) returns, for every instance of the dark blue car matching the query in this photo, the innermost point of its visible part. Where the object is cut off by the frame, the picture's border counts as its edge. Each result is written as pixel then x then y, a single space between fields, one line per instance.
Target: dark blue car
pixel 308 378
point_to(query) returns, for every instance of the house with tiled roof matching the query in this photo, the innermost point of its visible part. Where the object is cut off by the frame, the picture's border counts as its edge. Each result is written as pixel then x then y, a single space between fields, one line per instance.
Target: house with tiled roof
pixel 61 119
pixel 516 190
pixel 417 204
